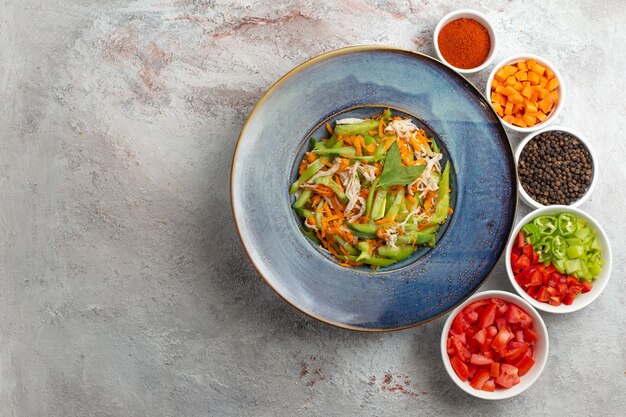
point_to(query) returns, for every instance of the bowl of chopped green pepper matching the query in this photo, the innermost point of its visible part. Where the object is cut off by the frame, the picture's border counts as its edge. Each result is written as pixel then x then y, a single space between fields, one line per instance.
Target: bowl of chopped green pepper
pixel 558 258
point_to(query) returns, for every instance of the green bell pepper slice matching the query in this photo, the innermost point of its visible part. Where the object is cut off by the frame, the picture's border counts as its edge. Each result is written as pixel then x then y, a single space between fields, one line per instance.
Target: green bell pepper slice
pixel 308 173
pixel 559 247
pixel 532 233
pixel 370 198
pixel 547 224
pixel 398 253
pixel 302 200
pixel 443 198
pixel 568 224
pixel 366 230
pixel 357 128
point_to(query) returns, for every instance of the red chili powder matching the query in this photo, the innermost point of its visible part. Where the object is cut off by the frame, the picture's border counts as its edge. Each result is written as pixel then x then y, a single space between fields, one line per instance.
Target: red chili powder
pixel 464 43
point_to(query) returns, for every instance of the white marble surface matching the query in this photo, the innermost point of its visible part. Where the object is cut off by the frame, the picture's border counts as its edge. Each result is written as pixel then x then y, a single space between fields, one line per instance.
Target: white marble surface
pixel 125 290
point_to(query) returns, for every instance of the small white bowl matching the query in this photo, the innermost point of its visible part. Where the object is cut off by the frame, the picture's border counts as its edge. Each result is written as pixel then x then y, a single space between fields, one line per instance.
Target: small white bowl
pixel 470 14
pixel 581 300
pixel 526 198
pixel 561 89
pixel 540 349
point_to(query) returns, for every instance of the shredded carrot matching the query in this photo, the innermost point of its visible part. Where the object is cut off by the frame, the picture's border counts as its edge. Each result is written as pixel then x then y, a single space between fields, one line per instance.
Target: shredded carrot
pixel 329 128
pixel 348 140
pixel 380 127
pixel 327 209
pixel 338 181
pixel 357 145
pixel 303 165
pixel 423 226
pixel 381 233
pixel 328 164
pixel 371 148
pixel 450 210
pixel 388 141
pixel 410 199
pixel 311 157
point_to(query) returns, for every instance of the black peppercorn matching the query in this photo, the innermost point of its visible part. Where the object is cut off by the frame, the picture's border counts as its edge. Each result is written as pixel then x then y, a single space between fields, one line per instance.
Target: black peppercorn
pixel 555 168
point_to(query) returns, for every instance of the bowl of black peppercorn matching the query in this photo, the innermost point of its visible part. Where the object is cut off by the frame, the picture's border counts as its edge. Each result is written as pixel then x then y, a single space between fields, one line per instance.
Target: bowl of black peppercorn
pixel 555 165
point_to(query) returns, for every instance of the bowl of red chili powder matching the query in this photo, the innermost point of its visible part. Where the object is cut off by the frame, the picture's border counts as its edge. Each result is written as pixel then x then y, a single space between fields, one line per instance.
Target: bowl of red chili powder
pixel 465 40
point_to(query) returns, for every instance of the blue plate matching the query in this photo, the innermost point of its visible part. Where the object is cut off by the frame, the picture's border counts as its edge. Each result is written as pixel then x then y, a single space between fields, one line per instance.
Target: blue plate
pixel 360 81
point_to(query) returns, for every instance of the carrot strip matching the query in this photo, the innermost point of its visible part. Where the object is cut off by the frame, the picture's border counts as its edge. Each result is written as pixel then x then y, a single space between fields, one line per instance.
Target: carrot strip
pixel 329 128
pixel 357 145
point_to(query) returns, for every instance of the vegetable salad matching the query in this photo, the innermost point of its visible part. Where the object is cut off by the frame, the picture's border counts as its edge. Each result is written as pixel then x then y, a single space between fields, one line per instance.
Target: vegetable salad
pixel 373 191
pixel 556 257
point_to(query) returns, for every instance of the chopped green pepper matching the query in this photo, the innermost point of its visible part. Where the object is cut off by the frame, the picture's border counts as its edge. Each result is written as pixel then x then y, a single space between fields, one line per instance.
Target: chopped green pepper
pixel 567 224
pixel 308 173
pixel 357 128
pixel 558 247
pixel 546 224
pixel 398 253
pixel 532 233
pixel 301 201
pixel 443 199
pixel 370 198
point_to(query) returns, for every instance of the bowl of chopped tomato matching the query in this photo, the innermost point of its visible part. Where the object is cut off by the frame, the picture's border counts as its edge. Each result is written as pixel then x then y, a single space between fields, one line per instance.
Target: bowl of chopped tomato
pixel 494 345
pixel 558 259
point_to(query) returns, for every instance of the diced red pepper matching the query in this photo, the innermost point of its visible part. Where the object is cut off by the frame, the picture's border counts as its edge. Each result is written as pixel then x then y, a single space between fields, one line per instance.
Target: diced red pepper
pixel 519 242
pixel 523 262
pixel 568 299
pixel 586 286
pixel 543 294
pixel 532 291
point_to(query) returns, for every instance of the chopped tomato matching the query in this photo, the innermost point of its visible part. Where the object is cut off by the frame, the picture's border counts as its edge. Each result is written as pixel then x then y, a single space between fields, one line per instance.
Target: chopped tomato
pixel 517 315
pixel 459 324
pixel 480 378
pixel 471 370
pixel 515 354
pixel 459 367
pixel 489 386
pixel 460 350
pixel 524 365
pixel 529 335
pixel 502 306
pixel 508 376
pixel 480 336
pixel 488 316
pixel 501 339
pixel 586 286
pixel 489 341
pixel 480 359
pixel 494 369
